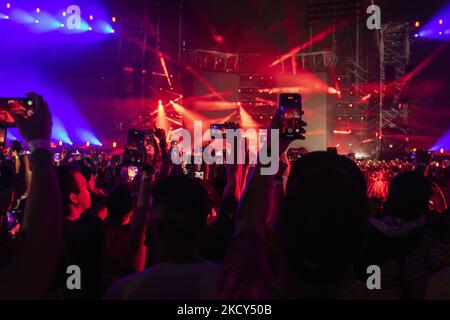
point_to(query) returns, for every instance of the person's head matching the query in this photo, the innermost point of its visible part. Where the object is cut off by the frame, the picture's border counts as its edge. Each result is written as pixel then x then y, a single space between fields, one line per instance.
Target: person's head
pixel 409 195
pixel 119 206
pixel 375 207
pixel 323 218
pixel 180 208
pixel 74 191
pixel 98 205
pixel 16 146
pixel 88 174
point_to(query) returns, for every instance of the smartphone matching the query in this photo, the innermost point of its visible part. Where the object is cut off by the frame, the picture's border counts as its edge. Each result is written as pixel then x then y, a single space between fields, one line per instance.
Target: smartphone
pixel 136 137
pixel 199 174
pixel 9 106
pixel 132 172
pixel 13 217
pixel 290 105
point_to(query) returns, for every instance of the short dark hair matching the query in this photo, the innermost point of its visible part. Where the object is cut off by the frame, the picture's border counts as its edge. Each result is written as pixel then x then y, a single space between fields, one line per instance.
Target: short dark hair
pixel 409 196
pixel 323 219
pixel 184 205
pixel 16 146
pixel 67 182
pixel 86 171
pixel 118 204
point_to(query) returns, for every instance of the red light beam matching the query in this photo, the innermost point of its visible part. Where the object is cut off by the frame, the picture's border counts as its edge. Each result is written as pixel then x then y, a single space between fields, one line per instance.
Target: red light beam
pixel 321 35
pixel 166 72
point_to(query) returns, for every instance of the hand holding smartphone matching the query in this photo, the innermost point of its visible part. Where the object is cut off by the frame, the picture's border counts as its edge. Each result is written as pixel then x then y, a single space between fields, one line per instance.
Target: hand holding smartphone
pixel 132 172
pixel 290 113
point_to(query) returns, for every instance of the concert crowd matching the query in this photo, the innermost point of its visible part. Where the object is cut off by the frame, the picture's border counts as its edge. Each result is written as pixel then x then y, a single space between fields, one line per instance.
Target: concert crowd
pixel 160 231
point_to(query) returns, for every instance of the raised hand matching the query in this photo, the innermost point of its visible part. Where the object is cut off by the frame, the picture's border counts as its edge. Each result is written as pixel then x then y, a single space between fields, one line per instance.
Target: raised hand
pixel 38 125
pixel 284 143
pixel 159 133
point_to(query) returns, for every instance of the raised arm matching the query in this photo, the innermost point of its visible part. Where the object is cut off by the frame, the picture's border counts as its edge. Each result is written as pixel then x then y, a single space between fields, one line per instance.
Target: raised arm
pixel 135 255
pixel 29 275
pixel 255 203
pixel 234 177
pixel 165 157
pixel 26 162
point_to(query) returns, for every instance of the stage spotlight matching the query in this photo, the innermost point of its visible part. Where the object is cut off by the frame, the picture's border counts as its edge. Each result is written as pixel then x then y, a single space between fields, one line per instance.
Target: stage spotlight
pixel 88 143
pixel 416 35
pixel 90 28
pixel 441 21
pixel 36 21
pixel 103 27
pixel 8 5
pixel 91 17
pixel 417 24
pixel 332 90
pixel 60 143
pixel 114 19
pixel 38 10
pixel 114 144
pixel 366 97
pixel 440 33
pixel 64 14
pixel 441 151
pixel 62 25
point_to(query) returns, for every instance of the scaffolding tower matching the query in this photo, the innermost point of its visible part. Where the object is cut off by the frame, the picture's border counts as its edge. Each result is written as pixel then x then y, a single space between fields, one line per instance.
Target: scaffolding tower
pixel 394 42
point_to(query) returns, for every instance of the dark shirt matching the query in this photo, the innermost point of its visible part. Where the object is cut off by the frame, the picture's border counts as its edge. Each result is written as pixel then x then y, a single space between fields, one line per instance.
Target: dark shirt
pixel 84 246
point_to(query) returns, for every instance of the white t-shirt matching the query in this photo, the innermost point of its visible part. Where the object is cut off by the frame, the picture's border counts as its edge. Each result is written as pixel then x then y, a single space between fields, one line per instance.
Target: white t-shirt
pixel 169 281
